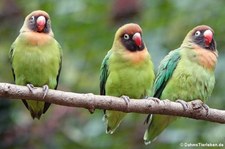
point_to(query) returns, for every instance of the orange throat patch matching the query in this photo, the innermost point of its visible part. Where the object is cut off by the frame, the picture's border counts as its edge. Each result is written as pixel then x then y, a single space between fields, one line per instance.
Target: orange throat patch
pixel 37 38
pixel 207 58
pixel 138 56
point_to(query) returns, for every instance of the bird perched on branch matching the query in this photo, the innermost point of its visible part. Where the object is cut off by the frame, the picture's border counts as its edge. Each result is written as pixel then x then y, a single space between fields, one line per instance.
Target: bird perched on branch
pixel 36 59
pixel 185 73
pixel 127 70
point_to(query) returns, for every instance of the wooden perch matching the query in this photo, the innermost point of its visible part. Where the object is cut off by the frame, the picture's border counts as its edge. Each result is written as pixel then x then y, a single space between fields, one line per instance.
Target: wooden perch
pixel 90 101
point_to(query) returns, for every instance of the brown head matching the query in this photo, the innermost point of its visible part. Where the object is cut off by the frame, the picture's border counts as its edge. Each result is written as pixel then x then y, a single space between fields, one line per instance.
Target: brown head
pixel 37 21
pixel 202 36
pixel 130 35
pixel 201 41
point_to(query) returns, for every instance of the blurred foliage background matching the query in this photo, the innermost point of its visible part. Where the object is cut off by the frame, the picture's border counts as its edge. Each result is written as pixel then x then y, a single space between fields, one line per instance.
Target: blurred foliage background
pixel 85 29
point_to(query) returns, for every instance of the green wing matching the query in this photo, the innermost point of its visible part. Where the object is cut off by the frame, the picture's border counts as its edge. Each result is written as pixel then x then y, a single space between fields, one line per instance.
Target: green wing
pixel 14 77
pixel 104 73
pixel 11 59
pixel 60 65
pixel 165 72
pixel 47 104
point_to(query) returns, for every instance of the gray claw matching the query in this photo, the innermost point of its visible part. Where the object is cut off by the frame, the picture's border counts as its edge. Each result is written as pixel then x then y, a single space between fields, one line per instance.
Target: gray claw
pixel 45 90
pixel 156 100
pixel 206 107
pixel 30 87
pixel 126 99
pixel 183 103
pixel 198 104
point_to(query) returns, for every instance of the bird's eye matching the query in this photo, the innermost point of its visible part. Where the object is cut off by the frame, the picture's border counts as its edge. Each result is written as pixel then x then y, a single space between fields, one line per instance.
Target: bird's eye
pixel 48 21
pixel 126 36
pixel 197 33
pixel 32 19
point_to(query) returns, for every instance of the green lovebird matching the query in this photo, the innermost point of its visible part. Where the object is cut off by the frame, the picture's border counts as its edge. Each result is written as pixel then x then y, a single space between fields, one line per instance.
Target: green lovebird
pixel 127 70
pixel 185 73
pixel 36 58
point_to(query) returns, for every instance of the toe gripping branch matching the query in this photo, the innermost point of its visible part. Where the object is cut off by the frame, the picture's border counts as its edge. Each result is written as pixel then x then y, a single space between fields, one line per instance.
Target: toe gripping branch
pixel 198 105
pixel 126 99
pixel 45 89
pixel 183 103
pixel 30 87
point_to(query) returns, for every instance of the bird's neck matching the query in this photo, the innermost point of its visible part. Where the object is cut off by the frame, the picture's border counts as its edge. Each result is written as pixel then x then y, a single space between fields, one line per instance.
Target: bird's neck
pixel 34 38
pixel 204 57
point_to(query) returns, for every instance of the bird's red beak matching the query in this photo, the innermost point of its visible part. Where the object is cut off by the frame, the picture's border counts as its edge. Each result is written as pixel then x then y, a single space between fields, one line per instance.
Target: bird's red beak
pixel 137 39
pixel 41 23
pixel 208 36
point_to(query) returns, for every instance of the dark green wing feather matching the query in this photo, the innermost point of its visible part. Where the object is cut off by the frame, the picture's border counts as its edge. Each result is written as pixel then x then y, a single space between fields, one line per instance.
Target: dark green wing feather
pixel 165 72
pixel 60 66
pixel 47 104
pixel 11 59
pixel 14 77
pixel 104 73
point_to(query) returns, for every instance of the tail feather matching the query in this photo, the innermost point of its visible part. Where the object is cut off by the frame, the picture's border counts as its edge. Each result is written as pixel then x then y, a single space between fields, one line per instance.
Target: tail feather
pixel 157 124
pixel 36 108
pixel 46 106
pixel 112 120
pixel 35 114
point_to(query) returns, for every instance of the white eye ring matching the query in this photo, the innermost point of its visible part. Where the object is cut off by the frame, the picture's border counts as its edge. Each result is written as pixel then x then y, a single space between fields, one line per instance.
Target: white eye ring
pixel 126 36
pixel 197 33
pixel 32 18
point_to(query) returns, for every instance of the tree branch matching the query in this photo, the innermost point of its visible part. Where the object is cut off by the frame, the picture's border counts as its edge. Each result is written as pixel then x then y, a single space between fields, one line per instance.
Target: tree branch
pixel 90 101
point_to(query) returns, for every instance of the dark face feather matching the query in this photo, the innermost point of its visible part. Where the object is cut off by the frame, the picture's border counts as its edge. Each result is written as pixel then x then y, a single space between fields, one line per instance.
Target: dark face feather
pixel 130 44
pixel 199 39
pixel 32 24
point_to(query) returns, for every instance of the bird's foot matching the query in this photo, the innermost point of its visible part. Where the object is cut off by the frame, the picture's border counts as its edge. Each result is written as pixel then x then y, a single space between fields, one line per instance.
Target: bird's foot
pixel 30 87
pixel 198 104
pixel 45 89
pixel 156 100
pixel 183 103
pixel 206 107
pixel 126 99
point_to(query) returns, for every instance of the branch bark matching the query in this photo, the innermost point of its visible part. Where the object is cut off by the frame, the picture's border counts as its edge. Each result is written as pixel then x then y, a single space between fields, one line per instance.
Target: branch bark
pixel 90 101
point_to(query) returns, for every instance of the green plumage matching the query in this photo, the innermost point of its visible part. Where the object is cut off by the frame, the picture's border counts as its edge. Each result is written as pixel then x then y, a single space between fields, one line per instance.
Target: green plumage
pixel 126 70
pixel 181 75
pixel 37 65
pixel 36 59
pixel 121 77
